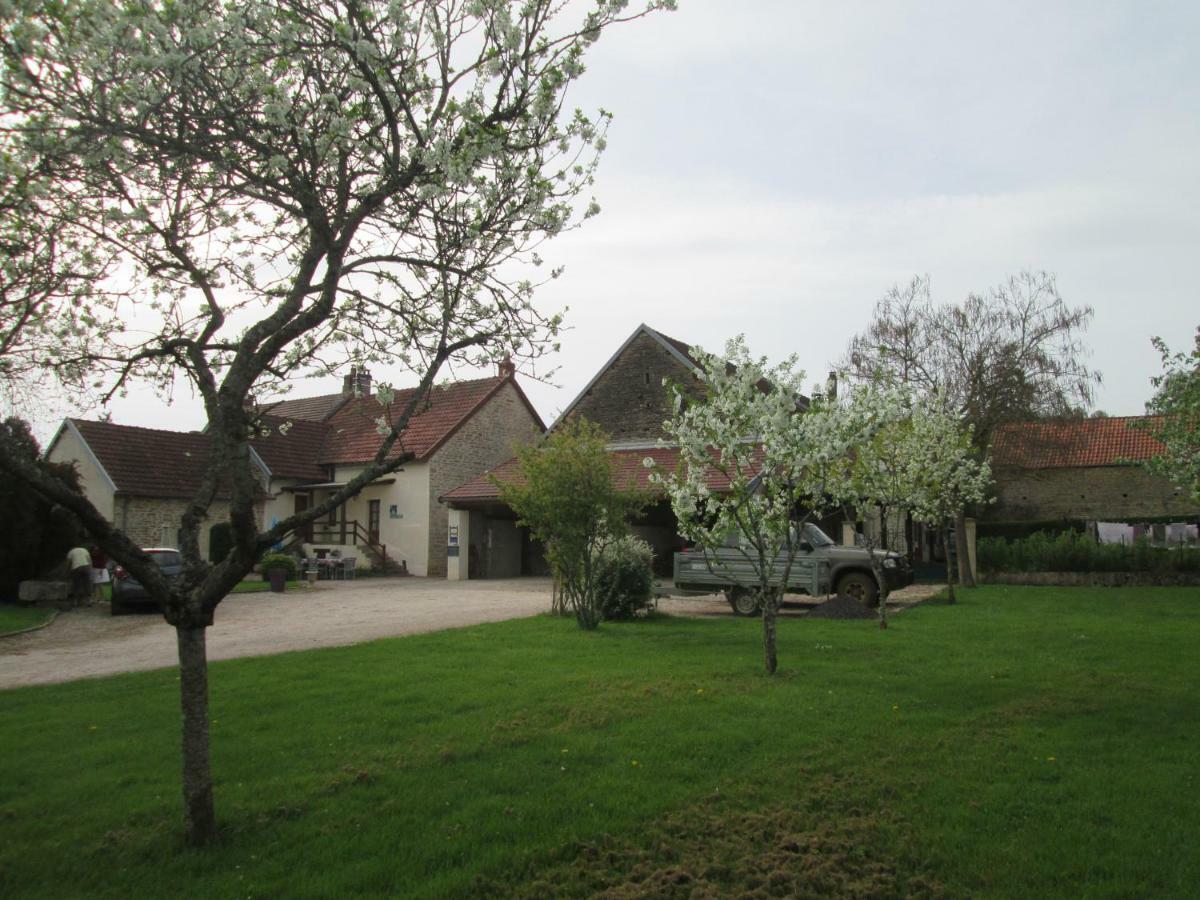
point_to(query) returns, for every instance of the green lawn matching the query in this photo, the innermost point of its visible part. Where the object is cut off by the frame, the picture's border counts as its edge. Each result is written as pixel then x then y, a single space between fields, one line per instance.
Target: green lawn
pixel 255 587
pixel 18 618
pixel 1025 742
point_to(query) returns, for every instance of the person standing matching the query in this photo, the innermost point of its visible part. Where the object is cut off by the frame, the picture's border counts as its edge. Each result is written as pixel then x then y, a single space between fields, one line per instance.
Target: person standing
pixel 99 573
pixel 79 562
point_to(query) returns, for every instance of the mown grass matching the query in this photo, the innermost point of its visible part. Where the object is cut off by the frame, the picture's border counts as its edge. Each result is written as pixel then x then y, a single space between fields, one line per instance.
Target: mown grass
pixel 256 587
pixel 18 618
pixel 1024 742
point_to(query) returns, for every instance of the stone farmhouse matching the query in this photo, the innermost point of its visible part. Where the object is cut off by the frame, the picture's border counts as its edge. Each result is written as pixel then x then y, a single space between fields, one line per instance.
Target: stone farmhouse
pixel 1084 472
pixel 628 400
pixel 141 478
pixel 440 513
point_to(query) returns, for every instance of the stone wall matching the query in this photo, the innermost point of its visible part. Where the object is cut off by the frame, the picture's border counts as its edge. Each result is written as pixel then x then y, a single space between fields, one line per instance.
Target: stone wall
pixel 628 400
pixel 1101 493
pixel 489 438
pixel 154 522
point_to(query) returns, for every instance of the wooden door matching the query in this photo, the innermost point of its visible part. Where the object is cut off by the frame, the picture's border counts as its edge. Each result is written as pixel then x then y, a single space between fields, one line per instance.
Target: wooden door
pixel 302 503
pixel 373 521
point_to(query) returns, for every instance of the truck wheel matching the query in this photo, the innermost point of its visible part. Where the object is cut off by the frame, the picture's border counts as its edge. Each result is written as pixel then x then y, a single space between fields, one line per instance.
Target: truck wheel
pixel 861 587
pixel 743 602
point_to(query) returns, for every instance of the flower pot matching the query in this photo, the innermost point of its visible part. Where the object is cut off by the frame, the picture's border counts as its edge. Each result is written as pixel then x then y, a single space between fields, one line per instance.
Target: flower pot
pixel 278 579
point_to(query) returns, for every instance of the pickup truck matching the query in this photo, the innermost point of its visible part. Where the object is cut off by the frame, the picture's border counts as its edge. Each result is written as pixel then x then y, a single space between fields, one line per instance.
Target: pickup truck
pixel 820 566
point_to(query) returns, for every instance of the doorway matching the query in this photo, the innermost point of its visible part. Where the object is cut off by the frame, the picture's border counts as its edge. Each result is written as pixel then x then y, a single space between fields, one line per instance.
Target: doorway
pixel 373 521
pixel 303 502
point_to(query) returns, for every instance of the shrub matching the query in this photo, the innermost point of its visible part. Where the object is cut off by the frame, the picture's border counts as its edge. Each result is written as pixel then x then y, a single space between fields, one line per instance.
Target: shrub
pixel 220 541
pixel 568 498
pixel 279 561
pixel 1074 552
pixel 624 578
pixel 35 535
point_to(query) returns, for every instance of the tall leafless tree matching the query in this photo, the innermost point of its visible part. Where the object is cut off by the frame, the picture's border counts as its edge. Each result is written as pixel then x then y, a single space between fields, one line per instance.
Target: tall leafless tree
pixel 1014 353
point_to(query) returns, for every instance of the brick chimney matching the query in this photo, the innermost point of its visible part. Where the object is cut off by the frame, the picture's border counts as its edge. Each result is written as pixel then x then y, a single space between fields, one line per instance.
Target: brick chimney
pixel 357 382
pixel 506 368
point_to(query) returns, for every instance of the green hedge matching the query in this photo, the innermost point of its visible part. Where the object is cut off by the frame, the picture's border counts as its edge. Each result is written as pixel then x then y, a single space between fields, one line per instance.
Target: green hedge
pixel 1074 552
pixel 1011 531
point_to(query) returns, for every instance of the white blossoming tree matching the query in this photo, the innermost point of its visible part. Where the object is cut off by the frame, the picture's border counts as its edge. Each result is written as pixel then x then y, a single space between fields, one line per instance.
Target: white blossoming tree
pixel 877 476
pixel 921 462
pixel 945 472
pixel 273 188
pixel 1177 402
pixel 755 465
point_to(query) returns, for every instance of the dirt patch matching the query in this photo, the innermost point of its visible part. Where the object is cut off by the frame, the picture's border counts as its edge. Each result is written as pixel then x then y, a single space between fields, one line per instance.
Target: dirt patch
pixel 841 607
pixel 712 852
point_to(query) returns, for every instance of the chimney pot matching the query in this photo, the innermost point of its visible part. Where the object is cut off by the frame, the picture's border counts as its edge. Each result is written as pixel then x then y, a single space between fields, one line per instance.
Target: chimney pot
pixel 358 382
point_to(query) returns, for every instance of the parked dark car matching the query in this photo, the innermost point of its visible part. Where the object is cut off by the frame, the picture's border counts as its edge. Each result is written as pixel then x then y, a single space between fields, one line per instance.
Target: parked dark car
pixel 127 591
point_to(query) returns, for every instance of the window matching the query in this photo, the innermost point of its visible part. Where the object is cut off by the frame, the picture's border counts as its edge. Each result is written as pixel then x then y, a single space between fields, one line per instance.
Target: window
pixel 165 557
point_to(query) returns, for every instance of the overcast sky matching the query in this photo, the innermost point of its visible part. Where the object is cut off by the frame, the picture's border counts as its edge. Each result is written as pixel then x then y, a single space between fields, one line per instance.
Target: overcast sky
pixel 774 167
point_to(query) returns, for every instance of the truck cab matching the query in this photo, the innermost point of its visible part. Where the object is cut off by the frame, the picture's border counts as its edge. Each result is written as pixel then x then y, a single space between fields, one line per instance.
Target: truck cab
pixel 819 566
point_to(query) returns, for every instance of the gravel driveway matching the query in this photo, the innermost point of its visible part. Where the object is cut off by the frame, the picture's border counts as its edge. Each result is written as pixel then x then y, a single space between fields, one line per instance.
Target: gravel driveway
pixel 85 643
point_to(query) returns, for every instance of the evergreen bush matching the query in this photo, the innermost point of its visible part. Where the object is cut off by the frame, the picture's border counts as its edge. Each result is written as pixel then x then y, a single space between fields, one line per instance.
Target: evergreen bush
pixel 35 535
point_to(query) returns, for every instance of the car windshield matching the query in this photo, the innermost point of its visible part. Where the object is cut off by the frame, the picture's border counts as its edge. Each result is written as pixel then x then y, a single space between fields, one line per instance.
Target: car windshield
pixel 165 557
pixel 815 536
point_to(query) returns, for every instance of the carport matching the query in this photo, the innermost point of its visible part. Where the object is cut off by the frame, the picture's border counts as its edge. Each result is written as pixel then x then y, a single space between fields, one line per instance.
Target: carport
pixel 483 540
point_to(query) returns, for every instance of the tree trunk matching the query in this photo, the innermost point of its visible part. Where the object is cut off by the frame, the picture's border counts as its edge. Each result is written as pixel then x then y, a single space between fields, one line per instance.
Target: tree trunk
pixel 881 580
pixel 768 617
pixel 199 813
pixel 946 551
pixel 965 577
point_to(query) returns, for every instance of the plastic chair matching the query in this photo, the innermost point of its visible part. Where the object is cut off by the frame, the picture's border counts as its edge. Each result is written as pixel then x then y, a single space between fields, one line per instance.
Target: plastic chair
pixel 348 564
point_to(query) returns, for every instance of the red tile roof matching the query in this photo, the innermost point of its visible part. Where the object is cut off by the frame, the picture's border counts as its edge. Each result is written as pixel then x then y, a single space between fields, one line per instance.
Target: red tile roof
pixel 147 462
pixel 629 472
pixel 353 436
pixel 1076 443
pixel 316 409
pixel 481 488
pixel 292 450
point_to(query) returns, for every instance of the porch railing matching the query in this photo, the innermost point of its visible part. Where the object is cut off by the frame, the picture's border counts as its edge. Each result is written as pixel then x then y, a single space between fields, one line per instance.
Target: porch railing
pixel 346 533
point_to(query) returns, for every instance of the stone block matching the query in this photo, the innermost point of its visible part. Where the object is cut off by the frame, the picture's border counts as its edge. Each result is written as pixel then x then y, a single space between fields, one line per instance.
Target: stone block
pixel 44 591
